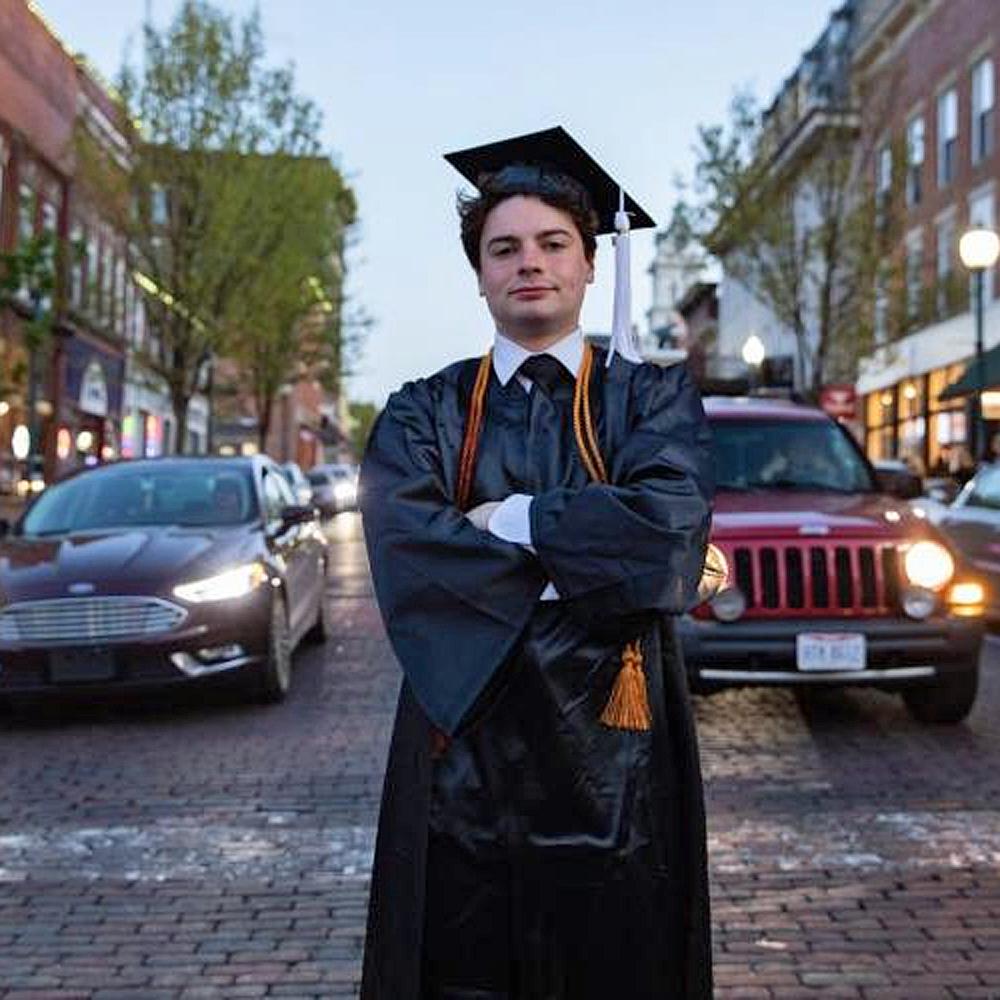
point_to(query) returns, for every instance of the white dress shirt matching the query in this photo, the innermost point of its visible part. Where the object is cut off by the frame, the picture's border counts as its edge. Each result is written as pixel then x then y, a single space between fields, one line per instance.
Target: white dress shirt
pixel 511 521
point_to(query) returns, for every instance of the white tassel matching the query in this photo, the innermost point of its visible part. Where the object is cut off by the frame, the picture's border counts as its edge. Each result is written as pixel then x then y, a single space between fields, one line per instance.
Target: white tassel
pixel 623 340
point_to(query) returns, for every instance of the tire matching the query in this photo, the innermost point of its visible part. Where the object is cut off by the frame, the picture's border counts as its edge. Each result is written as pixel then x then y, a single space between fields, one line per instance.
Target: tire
pixel 948 700
pixel 320 630
pixel 275 676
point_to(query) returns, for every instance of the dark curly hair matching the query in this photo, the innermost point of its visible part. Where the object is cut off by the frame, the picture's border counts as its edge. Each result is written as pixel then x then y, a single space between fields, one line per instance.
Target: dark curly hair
pixel 554 188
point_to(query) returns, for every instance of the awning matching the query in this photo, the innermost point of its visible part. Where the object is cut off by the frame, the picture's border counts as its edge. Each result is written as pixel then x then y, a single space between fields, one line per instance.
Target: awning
pixel 968 383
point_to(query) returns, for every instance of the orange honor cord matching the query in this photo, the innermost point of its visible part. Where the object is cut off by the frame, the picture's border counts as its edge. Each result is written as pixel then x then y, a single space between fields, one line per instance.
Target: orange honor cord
pixel 628 706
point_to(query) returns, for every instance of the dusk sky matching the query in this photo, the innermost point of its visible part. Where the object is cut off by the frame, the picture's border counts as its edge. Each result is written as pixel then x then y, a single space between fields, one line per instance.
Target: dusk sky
pixel 401 83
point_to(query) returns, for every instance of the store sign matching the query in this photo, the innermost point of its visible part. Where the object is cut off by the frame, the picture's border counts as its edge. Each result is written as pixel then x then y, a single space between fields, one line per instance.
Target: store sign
pixel 94 390
pixel 839 401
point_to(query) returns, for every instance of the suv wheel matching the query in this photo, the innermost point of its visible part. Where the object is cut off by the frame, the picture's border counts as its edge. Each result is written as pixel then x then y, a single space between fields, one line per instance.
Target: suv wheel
pixel 275 676
pixel 948 699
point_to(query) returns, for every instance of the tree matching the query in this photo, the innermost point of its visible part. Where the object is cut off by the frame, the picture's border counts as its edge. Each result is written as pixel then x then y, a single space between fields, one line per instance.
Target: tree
pixel 800 233
pixel 215 196
pixel 363 417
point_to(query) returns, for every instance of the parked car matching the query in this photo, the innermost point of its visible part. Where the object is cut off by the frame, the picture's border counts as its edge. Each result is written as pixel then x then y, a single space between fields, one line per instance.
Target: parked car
pixel 161 571
pixel 335 487
pixel 972 523
pixel 832 579
pixel 301 489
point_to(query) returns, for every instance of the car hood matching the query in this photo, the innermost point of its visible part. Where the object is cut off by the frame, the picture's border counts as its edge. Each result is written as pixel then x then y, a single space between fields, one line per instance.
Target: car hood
pixel 785 514
pixel 142 561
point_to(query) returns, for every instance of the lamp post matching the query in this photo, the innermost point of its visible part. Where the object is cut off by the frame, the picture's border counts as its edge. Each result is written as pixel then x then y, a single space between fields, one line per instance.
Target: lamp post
pixel 753 354
pixel 979 249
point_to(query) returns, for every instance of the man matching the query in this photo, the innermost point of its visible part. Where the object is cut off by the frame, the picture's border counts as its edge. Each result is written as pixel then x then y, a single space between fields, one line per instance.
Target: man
pixel 530 518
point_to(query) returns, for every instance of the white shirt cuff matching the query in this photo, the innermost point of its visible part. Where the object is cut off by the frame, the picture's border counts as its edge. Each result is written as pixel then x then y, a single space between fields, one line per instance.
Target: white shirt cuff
pixel 511 521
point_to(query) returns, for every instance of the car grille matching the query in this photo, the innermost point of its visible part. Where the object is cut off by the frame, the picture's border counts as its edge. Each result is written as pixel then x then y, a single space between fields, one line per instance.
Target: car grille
pixel 844 579
pixel 87 619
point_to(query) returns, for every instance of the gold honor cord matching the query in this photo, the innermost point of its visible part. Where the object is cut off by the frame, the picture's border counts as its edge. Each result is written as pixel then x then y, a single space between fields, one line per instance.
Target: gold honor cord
pixel 628 706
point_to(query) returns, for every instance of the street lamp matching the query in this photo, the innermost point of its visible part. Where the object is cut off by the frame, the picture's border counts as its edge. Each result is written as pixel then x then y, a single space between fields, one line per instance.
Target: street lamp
pixel 753 354
pixel 979 249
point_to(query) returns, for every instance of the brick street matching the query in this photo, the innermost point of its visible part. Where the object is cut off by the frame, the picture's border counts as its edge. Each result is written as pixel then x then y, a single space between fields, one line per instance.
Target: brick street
pixel 196 847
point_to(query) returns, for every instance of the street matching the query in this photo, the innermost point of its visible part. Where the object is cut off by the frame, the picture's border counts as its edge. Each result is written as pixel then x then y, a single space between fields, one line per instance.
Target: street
pixel 197 847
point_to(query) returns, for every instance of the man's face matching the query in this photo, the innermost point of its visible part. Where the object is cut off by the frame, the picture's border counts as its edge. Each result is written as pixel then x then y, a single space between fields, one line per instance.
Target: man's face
pixel 533 271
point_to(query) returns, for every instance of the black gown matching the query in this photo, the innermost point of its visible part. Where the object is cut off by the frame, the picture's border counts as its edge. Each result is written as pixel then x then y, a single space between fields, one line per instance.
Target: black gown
pixel 542 855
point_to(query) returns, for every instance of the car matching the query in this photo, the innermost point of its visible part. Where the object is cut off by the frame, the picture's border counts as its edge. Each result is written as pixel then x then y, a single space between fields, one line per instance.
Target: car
pixel 301 489
pixel 972 524
pixel 335 487
pixel 832 580
pixel 161 571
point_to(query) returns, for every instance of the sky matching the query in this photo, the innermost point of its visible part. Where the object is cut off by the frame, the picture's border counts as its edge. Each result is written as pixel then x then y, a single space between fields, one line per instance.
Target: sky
pixel 401 82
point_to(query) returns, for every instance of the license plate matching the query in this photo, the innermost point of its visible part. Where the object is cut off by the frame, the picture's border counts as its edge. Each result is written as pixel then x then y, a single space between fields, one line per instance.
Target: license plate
pixel 77 665
pixel 818 651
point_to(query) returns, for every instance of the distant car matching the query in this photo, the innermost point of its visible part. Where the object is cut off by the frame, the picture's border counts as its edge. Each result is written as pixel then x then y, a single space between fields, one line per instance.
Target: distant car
pixel 335 488
pixel 301 489
pixel 833 579
pixel 972 523
pixel 161 571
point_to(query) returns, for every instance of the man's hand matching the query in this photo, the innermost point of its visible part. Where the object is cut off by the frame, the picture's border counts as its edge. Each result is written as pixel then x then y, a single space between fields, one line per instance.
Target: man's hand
pixel 480 516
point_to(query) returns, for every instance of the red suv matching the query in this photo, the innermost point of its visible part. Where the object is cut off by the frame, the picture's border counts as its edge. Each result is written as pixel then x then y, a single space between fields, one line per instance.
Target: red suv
pixel 832 581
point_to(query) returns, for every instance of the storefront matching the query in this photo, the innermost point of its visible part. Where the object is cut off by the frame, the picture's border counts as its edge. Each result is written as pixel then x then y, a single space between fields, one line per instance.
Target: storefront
pixel 908 420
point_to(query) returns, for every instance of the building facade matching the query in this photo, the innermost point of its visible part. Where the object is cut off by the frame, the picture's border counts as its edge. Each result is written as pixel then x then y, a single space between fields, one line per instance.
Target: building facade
pixel 813 104
pixel 936 172
pixel 68 369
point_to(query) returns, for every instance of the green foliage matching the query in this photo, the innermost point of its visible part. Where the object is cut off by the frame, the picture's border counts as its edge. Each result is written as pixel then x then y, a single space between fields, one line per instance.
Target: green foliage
pixel 363 417
pixel 228 204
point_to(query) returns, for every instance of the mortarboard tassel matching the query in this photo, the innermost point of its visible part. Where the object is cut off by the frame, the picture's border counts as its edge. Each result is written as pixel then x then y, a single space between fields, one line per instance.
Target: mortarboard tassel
pixel 628 706
pixel 622 336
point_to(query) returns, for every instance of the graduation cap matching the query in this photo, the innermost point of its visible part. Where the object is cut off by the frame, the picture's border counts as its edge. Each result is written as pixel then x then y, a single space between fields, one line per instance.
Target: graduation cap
pixel 541 163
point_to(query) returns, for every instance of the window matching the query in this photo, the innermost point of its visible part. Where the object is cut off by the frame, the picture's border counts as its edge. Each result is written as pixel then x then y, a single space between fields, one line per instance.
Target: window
pixel 881 318
pixel 3 177
pixel 982 110
pixel 945 265
pixel 914 160
pixel 78 264
pixel 883 182
pixel 27 210
pixel 947 143
pixel 914 274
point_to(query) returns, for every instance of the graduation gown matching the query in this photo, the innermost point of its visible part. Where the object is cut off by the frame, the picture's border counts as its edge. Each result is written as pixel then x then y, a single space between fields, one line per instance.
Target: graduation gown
pixel 542 855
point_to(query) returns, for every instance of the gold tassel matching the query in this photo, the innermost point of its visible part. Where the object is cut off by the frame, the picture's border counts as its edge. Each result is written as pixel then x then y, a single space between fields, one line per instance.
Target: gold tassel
pixel 628 706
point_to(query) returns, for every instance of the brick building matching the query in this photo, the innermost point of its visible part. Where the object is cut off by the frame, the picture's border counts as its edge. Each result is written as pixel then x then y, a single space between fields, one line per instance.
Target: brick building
pixel 76 374
pixel 930 67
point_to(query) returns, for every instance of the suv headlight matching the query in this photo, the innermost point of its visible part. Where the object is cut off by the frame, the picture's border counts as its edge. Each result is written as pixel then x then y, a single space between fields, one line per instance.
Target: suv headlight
pixel 928 564
pixel 228 585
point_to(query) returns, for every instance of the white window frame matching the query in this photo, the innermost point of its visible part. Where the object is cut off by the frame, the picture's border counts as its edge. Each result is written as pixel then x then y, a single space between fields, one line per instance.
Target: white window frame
pixel 982 105
pixel 982 212
pixel 947 136
pixel 916 153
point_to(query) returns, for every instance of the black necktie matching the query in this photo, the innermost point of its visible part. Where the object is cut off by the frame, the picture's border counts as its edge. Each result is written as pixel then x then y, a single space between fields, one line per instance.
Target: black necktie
pixel 545 372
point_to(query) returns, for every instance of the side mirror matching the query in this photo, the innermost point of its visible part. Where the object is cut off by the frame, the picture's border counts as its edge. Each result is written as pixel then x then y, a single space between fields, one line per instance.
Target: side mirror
pixel 298 514
pixel 902 485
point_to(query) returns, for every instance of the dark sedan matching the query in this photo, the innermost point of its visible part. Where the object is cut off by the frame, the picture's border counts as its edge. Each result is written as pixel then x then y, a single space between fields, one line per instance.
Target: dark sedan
pixel 161 571
pixel 972 523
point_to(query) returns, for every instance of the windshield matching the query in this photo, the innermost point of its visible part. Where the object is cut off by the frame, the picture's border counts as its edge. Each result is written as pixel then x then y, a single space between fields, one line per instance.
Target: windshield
pixel 141 495
pixel 787 454
pixel 984 489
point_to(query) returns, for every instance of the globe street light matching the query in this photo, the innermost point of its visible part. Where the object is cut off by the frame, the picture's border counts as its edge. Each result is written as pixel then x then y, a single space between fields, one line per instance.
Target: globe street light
pixel 753 355
pixel 979 249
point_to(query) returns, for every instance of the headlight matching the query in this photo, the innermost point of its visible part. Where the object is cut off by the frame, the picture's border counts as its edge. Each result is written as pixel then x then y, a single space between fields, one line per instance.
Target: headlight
pixel 345 491
pixel 236 582
pixel 928 564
